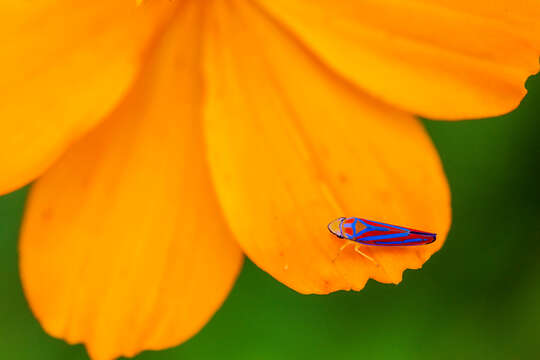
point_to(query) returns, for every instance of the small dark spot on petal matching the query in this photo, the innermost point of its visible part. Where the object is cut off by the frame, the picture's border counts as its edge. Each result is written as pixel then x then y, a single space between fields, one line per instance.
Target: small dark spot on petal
pixel 326 286
pixel 47 214
pixel 343 178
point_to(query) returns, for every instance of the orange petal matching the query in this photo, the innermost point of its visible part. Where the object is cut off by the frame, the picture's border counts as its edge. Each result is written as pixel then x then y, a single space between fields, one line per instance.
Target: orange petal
pixel 63 66
pixel 291 148
pixel 123 245
pixel 447 59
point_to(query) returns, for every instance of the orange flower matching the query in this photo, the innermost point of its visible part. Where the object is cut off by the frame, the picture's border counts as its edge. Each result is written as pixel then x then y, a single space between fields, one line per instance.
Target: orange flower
pixel 170 137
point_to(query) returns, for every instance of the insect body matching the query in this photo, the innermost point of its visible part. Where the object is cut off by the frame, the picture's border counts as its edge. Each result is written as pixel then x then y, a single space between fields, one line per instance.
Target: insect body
pixel 369 232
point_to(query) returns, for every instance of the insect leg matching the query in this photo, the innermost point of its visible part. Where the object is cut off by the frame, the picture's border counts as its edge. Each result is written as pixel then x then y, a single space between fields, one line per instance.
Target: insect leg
pixel 347 243
pixel 357 249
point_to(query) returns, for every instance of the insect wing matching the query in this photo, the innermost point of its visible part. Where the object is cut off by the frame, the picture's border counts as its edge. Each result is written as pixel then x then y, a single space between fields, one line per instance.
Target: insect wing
pixel 381 234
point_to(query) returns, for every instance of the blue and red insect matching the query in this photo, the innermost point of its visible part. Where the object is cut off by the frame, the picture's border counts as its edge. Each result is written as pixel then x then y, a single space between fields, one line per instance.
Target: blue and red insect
pixel 369 232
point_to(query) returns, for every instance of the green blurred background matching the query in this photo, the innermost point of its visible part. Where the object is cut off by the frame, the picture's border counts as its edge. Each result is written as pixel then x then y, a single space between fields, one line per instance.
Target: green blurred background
pixel 479 297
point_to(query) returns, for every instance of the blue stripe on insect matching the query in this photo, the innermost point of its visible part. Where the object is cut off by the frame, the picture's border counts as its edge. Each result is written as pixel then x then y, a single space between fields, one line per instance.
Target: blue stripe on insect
pixel 380 237
pixel 397 242
pixel 393 226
